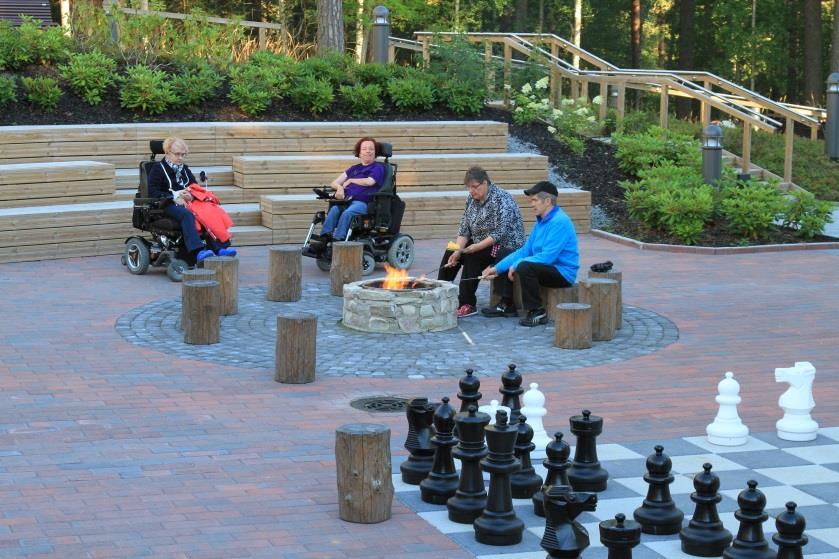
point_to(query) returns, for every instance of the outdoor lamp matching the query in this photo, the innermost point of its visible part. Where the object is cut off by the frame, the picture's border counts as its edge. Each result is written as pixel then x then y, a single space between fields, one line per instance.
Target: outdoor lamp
pixel 712 137
pixel 379 36
pixel 380 14
pixel 711 154
pixel 831 128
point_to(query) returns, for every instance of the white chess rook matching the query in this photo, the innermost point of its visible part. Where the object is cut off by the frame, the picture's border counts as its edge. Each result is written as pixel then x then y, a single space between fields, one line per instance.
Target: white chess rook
pixel 534 410
pixel 727 429
pixel 797 402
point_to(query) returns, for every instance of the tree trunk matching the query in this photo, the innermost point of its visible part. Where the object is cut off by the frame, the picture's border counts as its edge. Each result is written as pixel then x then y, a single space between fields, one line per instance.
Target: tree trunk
pixel 521 17
pixel 577 31
pixel 834 50
pixel 330 26
pixel 813 81
pixel 793 51
pixel 687 50
pixel 359 33
pixel 635 37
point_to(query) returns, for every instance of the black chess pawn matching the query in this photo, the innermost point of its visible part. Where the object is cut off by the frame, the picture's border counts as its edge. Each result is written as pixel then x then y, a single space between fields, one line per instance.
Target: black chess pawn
pixel 471 496
pixel 557 464
pixel 705 535
pixel 619 536
pixel 790 536
pixel 585 473
pixel 564 536
pixel 750 542
pixel 498 524
pixel 659 514
pixel 441 481
pixel 469 390
pixel 418 443
pixel 511 391
pixel 525 482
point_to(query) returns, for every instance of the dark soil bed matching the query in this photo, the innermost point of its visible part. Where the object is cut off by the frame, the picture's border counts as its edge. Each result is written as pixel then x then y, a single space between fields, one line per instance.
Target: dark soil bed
pixel 596 170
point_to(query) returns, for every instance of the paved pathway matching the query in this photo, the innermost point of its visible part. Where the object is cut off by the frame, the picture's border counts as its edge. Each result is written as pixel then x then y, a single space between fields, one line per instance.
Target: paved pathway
pixel 112 449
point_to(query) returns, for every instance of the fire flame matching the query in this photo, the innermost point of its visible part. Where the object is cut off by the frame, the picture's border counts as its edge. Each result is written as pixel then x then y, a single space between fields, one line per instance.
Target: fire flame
pixel 395 278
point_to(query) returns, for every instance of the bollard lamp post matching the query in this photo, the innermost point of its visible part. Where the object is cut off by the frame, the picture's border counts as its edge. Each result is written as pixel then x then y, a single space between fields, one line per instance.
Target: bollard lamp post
pixel 712 154
pixel 379 36
pixel 612 101
pixel 831 129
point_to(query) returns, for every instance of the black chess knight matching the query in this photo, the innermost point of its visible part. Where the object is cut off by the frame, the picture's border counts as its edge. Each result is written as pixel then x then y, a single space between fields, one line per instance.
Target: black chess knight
pixel 564 536
pixel 418 443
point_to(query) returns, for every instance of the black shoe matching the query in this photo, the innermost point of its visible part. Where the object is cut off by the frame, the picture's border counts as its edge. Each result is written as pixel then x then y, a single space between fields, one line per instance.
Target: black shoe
pixel 535 317
pixel 501 309
pixel 601 267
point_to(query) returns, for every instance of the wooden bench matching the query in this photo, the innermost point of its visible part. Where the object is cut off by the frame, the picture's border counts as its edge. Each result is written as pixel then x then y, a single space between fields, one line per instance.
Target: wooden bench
pixel 217 143
pixel 428 215
pixel 35 184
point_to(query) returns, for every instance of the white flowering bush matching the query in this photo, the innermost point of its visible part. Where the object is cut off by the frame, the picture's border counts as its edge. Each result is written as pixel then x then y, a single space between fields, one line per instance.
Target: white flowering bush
pixel 532 103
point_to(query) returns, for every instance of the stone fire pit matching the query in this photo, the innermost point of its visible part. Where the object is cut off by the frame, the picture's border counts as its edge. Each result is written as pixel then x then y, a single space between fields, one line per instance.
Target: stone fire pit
pixel 426 306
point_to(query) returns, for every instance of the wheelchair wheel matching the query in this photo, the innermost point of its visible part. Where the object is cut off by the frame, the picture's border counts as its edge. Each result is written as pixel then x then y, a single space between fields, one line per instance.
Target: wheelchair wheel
pixel 136 256
pixel 368 264
pixel 401 252
pixel 323 264
pixel 175 269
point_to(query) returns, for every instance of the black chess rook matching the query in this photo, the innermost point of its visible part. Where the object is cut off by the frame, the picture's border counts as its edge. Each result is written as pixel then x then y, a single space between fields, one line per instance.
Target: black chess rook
pixel 659 514
pixel 619 536
pixel 557 464
pixel 470 498
pixel 525 482
pixel 418 442
pixel 790 537
pixel 564 536
pixel 585 473
pixel 750 542
pixel 511 392
pixel 705 535
pixel 441 482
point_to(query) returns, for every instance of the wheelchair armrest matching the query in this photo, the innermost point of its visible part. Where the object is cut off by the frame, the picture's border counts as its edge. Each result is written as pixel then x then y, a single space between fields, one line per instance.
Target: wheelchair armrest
pixel 324 193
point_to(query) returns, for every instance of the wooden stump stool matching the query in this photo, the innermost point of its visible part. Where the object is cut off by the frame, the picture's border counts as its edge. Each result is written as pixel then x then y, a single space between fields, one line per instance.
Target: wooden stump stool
pixel 601 294
pixel 227 275
pixel 346 265
pixel 495 296
pixel 362 458
pixel 295 352
pixel 192 275
pixel 616 275
pixel 553 296
pixel 285 274
pixel 573 326
pixel 201 322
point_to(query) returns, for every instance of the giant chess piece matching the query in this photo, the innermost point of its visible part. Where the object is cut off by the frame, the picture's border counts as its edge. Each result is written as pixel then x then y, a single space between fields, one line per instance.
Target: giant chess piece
pixel 534 410
pixel 498 524
pixel 750 543
pixel 525 482
pixel 659 514
pixel 511 391
pixel 557 464
pixel 620 536
pixel 469 391
pixel 420 415
pixel 492 410
pixel 705 535
pixel 564 536
pixel 797 403
pixel 471 496
pixel 585 473
pixel 790 536
pixel 441 481
pixel 727 429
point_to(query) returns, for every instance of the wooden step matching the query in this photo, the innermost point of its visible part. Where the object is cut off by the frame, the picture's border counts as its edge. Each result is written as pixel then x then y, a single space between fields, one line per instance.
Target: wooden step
pixel 226 194
pixel 217 175
pixel 55 183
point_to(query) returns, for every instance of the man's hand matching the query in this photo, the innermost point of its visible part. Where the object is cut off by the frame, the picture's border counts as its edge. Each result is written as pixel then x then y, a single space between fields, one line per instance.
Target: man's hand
pixel 511 274
pixel 489 273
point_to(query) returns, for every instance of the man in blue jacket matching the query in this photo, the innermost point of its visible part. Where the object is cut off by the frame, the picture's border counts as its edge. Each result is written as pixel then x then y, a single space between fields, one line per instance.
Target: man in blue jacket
pixel 549 257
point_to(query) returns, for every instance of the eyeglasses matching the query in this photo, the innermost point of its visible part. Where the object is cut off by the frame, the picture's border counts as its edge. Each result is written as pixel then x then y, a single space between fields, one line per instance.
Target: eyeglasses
pixel 179 154
pixel 473 186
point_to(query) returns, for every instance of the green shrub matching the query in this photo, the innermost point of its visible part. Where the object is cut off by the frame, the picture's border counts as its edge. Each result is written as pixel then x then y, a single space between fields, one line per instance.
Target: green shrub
pixel 634 122
pixel 806 214
pixel 462 97
pixel 208 43
pixel 51 44
pixel 332 67
pixel 263 79
pixel 751 208
pixel 363 100
pixel 312 94
pixel 8 88
pixel 195 85
pixel 252 101
pixel 42 92
pixel 15 51
pixel 379 74
pixel 458 71
pixel 411 93
pixel 655 147
pixel 146 90
pixel 89 75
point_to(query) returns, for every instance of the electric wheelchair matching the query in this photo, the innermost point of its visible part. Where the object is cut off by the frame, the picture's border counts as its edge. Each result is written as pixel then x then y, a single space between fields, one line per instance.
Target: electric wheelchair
pixel 377 230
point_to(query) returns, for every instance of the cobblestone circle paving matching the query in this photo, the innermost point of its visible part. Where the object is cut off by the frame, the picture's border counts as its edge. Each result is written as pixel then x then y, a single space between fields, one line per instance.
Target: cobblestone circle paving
pixel 248 339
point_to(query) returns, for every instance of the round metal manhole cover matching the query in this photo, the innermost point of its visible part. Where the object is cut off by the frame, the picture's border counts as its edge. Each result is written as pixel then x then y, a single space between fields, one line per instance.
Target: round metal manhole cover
pixel 380 404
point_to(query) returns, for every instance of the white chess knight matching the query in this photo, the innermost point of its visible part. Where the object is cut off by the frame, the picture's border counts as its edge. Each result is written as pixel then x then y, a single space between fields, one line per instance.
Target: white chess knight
pixel 797 402
pixel 727 429
pixel 534 410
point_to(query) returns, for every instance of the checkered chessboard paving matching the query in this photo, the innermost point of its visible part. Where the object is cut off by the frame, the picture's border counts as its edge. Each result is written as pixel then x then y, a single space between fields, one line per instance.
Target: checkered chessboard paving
pixel 804 472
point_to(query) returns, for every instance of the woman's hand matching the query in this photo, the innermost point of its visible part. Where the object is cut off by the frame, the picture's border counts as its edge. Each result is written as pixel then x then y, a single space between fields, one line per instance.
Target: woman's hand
pixel 454 258
pixel 489 273
pixel 339 193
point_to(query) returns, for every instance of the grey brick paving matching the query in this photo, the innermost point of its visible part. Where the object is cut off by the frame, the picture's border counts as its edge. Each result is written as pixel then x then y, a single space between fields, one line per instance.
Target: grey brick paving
pixel 248 340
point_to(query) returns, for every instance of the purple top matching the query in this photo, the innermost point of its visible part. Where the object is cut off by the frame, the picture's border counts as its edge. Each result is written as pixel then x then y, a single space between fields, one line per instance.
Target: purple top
pixel 375 170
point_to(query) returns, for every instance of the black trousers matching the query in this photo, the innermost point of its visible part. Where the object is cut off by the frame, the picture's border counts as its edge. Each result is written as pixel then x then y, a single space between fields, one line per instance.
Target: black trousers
pixel 531 276
pixel 473 264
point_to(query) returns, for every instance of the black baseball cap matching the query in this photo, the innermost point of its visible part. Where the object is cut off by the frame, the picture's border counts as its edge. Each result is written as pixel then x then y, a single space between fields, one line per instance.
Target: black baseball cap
pixel 541 186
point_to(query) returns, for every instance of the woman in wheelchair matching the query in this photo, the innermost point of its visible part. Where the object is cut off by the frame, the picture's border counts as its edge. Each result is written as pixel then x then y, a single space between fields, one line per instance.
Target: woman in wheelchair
pixel 169 179
pixel 355 185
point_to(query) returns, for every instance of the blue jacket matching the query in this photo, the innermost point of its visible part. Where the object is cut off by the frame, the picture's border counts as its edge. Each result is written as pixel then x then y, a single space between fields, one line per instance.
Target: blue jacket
pixel 553 241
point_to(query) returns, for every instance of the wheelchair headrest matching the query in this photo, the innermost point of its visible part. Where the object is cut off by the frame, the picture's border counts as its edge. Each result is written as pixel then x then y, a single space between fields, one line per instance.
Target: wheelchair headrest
pixel 156 147
pixel 384 149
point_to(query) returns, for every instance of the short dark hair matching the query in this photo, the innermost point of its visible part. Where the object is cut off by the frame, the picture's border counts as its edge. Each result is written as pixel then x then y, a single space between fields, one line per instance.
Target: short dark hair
pixel 357 149
pixel 476 174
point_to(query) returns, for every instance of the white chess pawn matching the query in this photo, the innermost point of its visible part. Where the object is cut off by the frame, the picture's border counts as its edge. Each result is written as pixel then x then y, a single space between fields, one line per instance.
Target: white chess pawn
pixel 492 408
pixel 727 429
pixel 534 410
pixel 797 403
